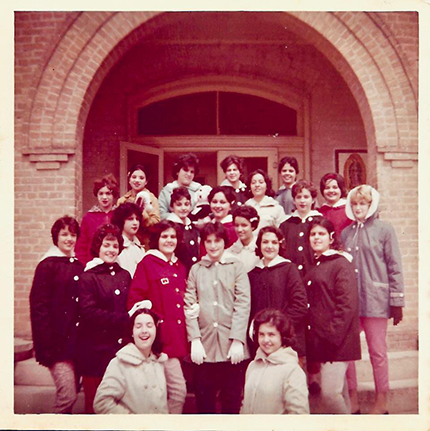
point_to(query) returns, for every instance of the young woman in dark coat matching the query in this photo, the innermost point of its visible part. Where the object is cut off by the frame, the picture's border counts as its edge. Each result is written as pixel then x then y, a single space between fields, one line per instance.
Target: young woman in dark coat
pixel 333 327
pixel 276 283
pixel 54 311
pixel 103 290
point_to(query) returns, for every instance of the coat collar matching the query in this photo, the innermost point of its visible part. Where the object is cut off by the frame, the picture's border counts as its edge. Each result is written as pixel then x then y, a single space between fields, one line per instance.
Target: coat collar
pixel 276 261
pixel 312 213
pixel 97 262
pixel 281 356
pixel 157 253
pixel 54 251
pixel 97 209
pixel 241 188
pixel 175 218
pixel 132 355
pixel 341 202
pixel 331 252
pixel 226 259
pixel 128 242
pixel 238 246
pixel 267 201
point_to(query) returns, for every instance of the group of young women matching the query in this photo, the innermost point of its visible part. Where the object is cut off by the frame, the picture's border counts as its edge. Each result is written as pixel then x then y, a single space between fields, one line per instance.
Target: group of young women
pixel 253 297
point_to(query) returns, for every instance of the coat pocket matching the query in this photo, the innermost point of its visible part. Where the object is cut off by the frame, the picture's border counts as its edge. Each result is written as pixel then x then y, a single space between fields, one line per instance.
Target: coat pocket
pixel 379 298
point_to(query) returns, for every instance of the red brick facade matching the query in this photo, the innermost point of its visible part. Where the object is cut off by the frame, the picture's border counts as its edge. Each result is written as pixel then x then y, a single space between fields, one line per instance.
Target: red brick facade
pixel 354 74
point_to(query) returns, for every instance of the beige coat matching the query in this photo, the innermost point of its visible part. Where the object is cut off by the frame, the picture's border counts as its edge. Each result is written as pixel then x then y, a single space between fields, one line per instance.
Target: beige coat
pixel 275 384
pixel 134 384
pixel 223 292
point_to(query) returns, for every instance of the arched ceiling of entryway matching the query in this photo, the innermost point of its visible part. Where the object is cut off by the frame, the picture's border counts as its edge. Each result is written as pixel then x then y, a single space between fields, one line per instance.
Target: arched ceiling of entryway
pixel 352 42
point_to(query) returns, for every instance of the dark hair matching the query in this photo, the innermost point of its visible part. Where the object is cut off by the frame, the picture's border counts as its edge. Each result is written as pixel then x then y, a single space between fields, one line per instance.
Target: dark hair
pixel 226 190
pixel 267 179
pixel 230 160
pixel 179 193
pixel 291 161
pixel 110 182
pixel 248 212
pixel 303 184
pixel 279 235
pixel 157 229
pixel 338 178
pixel 326 224
pixel 157 346
pixel 105 231
pixel 189 160
pixel 135 168
pixel 277 319
pixel 217 229
pixel 123 212
pixel 62 223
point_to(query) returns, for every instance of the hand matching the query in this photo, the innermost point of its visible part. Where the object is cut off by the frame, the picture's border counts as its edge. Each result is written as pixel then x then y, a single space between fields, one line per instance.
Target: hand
pixel 146 303
pixel 397 314
pixel 193 312
pixel 198 353
pixel 236 352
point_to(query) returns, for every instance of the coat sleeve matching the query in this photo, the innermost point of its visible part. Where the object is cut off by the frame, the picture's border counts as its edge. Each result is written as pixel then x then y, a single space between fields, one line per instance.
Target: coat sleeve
pixel 346 296
pixel 190 298
pixel 176 387
pixel 393 262
pixel 242 304
pixel 90 311
pixel 40 300
pixel 296 399
pixel 164 203
pixel 110 391
pixel 83 243
pixel 297 307
pixel 139 285
pixel 151 217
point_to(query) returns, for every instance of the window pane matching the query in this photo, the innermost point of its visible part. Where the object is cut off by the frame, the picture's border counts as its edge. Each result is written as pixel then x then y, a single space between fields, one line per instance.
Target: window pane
pixel 242 114
pixel 192 114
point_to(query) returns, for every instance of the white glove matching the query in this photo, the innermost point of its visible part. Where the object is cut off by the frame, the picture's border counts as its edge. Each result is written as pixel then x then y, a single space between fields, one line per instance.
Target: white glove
pixel 143 200
pixel 236 352
pixel 193 312
pixel 146 303
pixel 198 353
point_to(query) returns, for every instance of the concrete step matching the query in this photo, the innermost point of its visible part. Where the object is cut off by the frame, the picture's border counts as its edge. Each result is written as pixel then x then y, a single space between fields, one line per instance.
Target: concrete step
pixel 30 373
pixel 23 349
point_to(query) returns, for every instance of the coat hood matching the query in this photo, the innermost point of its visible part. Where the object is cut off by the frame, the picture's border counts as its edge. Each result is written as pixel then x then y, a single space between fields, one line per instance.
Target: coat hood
pixel 373 207
pixel 130 354
pixel 284 355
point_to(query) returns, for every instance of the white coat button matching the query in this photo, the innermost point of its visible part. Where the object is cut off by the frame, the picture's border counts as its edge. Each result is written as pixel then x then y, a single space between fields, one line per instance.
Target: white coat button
pixel 111 267
pixel 179 321
pixel 215 324
pixel 300 267
pixel 112 273
pixel 318 263
pixel 349 248
pixel 77 323
pixel 215 282
pixel 76 277
pixel 170 263
pixel 310 218
pixel 178 305
pixel 161 320
pixel 77 299
pixel 177 290
pixel 301 233
pixel 309 326
pixel 300 248
pixel 175 275
pixel 309 282
pixel 215 303
pixel 239 204
pixel 117 292
pixel 194 259
pixel 72 259
pixel 309 305
pixel 237 190
pixel 356 270
pixel 192 242
pixel 216 263
pixel 357 248
pixel 119 340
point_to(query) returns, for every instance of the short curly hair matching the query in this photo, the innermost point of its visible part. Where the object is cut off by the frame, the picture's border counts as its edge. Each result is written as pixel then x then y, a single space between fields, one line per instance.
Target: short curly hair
pixel 110 182
pixel 232 160
pixel 226 190
pixel 336 177
pixel 157 229
pixel 179 193
pixel 303 184
pixel 279 235
pixel 62 223
pixel 123 212
pixel 277 319
pixel 269 191
pixel 217 229
pixel 105 231
pixel 189 160
pixel 248 212
pixel 292 161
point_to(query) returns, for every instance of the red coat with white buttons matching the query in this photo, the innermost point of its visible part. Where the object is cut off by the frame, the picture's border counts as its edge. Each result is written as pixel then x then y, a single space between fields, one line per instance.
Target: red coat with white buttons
pixel 163 283
pixel 103 317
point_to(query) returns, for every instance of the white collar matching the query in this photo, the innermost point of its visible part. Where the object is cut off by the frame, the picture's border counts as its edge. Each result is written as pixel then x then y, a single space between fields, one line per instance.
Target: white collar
pixel 226 182
pixel 93 263
pixel 238 245
pixel 223 259
pixel 157 253
pixel 227 219
pixel 311 213
pixel 54 251
pixel 332 252
pixel 128 241
pixel 339 203
pixel 174 217
pixel 276 261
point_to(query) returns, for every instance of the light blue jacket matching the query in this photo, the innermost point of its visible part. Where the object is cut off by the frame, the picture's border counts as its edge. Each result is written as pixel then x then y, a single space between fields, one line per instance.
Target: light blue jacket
pixel 374 247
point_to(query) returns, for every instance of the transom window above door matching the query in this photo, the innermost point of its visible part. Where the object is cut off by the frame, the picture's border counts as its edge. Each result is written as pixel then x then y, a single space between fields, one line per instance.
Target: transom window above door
pixel 216 113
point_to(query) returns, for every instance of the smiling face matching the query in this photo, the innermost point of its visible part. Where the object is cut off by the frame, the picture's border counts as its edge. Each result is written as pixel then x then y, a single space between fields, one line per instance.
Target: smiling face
pixel 66 241
pixel 269 338
pixel 186 176
pixel 304 202
pixel 233 174
pixel 144 331
pixel 167 242
pixel 105 199
pixel 360 209
pixel 109 250
pixel 220 206
pixel 269 247
pixel 319 239
pixel 182 207
pixel 332 192
pixel 288 175
pixel 258 186
pixel 215 247
pixel 243 229
pixel 138 181
pixel 131 226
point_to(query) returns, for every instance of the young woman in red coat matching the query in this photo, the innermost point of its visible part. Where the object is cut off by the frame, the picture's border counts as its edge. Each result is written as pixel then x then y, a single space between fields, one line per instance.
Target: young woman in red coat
pixel 161 278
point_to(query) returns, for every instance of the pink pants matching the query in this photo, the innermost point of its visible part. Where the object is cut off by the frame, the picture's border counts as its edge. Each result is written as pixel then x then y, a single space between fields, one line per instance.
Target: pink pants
pixel 64 376
pixel 375 329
